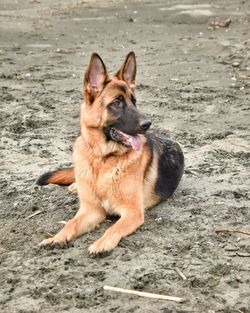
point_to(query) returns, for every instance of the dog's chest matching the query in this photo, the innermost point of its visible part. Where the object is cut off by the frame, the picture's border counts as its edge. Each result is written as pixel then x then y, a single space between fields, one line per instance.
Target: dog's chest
pixel 106 204
pixel 108 207
pixel 108 180
pixel 108 187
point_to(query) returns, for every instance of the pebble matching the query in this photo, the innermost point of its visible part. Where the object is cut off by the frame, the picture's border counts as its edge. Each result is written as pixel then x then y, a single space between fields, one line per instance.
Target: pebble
pixel 235 64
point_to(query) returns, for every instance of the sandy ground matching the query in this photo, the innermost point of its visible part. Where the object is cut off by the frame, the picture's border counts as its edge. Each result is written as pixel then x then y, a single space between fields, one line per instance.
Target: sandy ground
pixel 191 80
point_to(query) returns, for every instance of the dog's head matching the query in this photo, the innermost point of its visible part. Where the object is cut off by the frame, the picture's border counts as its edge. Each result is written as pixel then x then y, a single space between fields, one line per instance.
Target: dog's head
pixel 110 103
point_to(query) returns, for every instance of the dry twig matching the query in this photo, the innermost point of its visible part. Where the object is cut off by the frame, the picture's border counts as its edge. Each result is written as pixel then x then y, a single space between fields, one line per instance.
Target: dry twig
pixel 33 214
pixel 232 230
pixel 144 294
pixel 180 273
pixel 62 222
pixel 49 234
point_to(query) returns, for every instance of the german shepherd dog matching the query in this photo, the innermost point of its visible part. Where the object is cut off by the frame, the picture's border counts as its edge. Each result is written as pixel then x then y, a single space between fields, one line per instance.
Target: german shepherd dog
pixel 118 167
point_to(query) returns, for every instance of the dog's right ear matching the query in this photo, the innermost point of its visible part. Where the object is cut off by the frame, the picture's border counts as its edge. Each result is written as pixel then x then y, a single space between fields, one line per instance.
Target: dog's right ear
pixel 95 78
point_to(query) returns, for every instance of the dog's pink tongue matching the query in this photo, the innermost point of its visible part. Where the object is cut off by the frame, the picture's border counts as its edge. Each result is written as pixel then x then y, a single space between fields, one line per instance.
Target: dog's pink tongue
pixel 135 142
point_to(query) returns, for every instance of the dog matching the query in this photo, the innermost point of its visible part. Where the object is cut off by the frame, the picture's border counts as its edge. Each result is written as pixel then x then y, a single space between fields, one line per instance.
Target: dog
pixel 119 167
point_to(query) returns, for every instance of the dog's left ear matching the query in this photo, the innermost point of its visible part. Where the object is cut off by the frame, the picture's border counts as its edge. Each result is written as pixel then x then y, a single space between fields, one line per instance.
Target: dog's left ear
pixel 127 72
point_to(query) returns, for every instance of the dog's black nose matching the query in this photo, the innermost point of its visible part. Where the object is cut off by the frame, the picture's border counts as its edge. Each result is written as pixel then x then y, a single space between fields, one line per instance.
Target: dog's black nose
pixel 145 124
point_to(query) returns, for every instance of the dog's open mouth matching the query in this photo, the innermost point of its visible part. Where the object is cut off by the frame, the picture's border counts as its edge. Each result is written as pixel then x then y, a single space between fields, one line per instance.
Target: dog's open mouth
pixel 129 141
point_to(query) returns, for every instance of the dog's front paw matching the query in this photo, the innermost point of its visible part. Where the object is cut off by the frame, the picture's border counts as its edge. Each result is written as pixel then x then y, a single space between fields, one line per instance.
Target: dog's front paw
pixel 103 245
pixel 58 241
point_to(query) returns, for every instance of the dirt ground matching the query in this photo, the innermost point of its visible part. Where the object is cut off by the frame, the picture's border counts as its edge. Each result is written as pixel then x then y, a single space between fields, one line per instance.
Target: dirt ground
pixel 193 80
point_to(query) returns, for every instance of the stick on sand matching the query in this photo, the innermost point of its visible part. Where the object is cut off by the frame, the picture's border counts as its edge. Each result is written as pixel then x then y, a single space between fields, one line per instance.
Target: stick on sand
pixel 33 214
pixel 232 230
pixel 144 294
pixel 180 273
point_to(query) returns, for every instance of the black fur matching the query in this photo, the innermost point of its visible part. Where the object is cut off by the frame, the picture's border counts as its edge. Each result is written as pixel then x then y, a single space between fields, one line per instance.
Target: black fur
pixel 170 166
pixel 43 179
pixel 150 144
pixel 170 169
pixel 150 141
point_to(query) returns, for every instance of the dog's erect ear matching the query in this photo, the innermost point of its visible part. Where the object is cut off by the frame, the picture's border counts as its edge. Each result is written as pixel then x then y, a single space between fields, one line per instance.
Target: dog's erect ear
pixel 127 72
pixel 95 78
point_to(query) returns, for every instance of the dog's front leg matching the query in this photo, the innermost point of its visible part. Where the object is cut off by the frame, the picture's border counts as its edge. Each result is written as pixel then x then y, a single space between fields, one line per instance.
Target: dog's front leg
pixel 127 224
pixel 87 218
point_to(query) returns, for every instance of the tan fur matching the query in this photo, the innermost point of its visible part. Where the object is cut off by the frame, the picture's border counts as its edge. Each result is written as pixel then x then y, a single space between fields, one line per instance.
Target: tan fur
pixel 109 177
pixel 62 177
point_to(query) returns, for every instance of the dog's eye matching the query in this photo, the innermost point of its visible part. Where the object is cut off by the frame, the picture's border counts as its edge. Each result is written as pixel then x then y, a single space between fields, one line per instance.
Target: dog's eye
pixel 117 103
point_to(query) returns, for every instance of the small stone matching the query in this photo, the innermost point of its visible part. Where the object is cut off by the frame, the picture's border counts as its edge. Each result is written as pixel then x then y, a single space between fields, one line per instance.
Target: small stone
pixel 158 219
pixel 235 64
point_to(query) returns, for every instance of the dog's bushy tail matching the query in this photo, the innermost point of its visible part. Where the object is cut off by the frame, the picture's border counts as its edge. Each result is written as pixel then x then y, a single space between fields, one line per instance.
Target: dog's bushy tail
pixel 62 177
